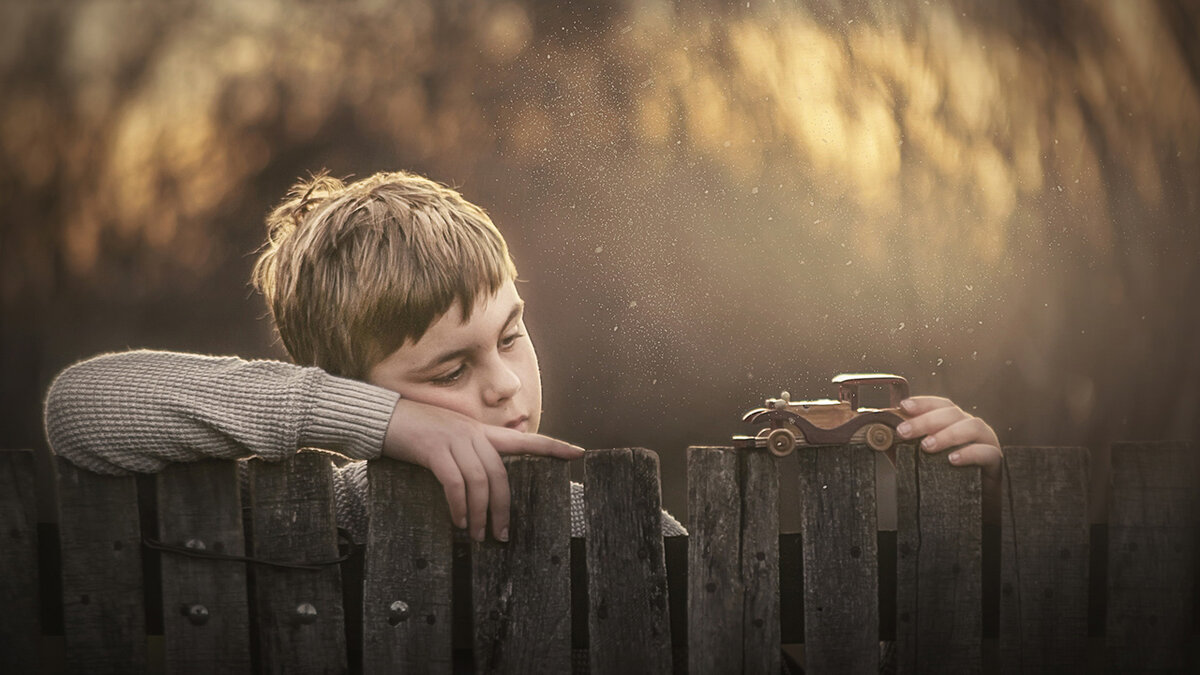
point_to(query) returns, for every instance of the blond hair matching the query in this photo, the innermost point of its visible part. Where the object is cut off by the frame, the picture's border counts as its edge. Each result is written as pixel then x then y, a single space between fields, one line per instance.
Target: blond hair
pixel 352 271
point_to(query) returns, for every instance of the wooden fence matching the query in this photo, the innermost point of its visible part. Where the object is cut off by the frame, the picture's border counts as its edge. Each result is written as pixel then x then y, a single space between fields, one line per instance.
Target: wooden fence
pixel 721 600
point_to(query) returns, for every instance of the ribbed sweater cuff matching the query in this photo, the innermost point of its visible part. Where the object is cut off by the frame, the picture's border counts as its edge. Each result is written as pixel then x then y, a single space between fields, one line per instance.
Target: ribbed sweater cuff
pixel 349 417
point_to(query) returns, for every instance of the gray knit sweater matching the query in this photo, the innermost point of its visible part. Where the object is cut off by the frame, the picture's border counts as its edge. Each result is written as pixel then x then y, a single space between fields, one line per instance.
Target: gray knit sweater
pixel 138 411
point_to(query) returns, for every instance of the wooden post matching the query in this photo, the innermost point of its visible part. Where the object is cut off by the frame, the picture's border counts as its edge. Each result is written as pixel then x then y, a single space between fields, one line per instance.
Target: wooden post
pixel 761 630
pixel 939 575
pixel 300 620
pixel 629 626
pixel 206 624
pixel 841 569
pixel 715 591
pixel 406 593
pixel 1152 556
pixel 522 588
pixel 104 615
pixel 19 619
pixel 1044 560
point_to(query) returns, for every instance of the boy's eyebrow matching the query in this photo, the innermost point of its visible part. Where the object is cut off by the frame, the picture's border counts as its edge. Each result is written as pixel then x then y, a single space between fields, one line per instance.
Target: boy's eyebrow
pixel 466 351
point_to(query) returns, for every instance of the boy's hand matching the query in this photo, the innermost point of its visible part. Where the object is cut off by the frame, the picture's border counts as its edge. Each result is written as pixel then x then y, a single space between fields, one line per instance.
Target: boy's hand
pixel 464 455
pixel 946 426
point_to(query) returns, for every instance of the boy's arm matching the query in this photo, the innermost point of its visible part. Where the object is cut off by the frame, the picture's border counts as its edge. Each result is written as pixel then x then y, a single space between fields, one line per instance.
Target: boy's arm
pixel 140 410
pixel 974 443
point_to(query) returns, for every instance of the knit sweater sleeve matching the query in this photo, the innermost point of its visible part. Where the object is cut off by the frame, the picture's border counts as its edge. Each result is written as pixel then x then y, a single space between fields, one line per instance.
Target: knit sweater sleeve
pixel 140 410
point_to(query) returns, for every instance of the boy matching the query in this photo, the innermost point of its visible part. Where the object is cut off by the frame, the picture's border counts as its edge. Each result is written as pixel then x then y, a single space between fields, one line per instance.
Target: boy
pixel 395 297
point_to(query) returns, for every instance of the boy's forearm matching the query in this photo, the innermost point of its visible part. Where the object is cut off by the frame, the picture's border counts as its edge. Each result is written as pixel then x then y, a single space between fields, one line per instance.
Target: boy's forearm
pixel 138 411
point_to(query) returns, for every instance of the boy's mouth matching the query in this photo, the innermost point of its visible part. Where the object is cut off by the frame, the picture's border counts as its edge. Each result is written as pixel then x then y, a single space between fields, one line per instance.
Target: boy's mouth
pixel 518 423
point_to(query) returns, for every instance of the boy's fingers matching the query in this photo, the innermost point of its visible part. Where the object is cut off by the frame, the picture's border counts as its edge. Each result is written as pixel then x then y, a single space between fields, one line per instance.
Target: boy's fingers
pixel 476 480
pixel 931 422
pixel 965 431
pixel 916 405
pixel 500 497
pixel 447 473
pixel 513 442
pixel 978 454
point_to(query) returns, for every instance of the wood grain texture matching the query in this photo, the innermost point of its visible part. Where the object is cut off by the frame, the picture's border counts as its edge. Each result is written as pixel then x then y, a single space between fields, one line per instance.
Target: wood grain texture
pixel 19 619
pixel 292 513
pixel 206 621
pixel 103 607
pixel 760 562
pixel 841 576
pixel 629 626
pixel 522 588
pixel 1044 560
pixel 939 564
pixel 409 548
pixel 1152 552
pixel 715 591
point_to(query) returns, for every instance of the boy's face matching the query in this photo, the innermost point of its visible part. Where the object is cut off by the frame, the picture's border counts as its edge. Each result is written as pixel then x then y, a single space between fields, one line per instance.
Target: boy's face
pixel 485 368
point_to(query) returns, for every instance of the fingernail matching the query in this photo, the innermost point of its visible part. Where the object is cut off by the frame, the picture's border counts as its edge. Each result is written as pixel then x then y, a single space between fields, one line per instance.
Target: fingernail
pixel 504 534
pixel 954 458
pixel 907 404
pixel 479 534
pixel 929 443
pixel 462 523
pixel 905 428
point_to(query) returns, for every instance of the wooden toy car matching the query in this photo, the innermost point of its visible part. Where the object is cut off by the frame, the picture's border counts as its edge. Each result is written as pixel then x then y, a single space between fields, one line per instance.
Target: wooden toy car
pixel 828 422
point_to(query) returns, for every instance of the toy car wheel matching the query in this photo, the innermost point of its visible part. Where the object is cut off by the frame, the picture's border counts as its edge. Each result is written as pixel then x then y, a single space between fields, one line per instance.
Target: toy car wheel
pixel 781 442
pixel 879 436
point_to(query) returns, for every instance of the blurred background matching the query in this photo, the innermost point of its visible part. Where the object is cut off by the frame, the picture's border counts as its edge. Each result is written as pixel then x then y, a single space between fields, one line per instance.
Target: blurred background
pixel 710 202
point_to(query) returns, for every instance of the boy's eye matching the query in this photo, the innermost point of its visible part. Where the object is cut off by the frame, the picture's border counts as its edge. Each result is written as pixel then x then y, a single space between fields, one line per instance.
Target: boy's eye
pixel 450 377
pixel 508 340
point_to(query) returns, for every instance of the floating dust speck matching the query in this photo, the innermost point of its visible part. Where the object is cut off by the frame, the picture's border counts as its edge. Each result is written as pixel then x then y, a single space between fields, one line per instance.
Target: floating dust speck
pixel 599 249
pixel 754 190
pixel 939 363
pixel 632 304
pixel 626 29
pixel 969 287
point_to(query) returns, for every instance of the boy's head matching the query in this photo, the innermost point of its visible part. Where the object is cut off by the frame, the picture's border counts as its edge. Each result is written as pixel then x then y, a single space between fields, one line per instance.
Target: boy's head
pixel 351 272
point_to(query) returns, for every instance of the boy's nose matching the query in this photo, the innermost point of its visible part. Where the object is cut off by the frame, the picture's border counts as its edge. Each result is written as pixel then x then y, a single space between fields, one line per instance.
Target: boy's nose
pixel 502 385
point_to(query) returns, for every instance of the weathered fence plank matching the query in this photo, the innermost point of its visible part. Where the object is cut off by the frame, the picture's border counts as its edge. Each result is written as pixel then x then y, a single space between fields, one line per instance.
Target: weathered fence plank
pixel 938 569
pixel 19 619
pixel 1151 548
pixel 103 609
pixel 760 562
pixel 407 621
pixel 1044 560
pixel 206 621
pixel 301 625
pixel 841 573
pixel 628 623
pixel 715 591
pixel 522 587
